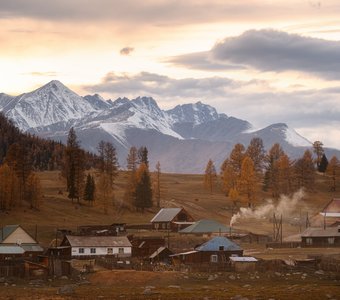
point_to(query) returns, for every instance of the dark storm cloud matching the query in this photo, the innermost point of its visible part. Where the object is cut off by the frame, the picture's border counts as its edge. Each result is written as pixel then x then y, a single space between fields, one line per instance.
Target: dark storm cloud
pixel 270 50
pixel 126 51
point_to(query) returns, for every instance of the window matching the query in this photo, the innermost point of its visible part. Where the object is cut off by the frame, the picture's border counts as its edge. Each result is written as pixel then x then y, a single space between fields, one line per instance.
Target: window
pixel 164 225
pixel 109 251
pixel 213 258
pixel 93 250
pixel 221 248
pixel 331 240
pixel 81 250
pixel 121 250
pixel 309 241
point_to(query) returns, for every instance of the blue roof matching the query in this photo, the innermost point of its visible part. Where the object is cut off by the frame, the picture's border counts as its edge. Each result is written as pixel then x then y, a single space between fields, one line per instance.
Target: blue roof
pixel 216 243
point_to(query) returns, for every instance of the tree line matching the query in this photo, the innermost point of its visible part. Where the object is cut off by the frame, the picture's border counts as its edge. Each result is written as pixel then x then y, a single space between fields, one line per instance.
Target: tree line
pixel 247 170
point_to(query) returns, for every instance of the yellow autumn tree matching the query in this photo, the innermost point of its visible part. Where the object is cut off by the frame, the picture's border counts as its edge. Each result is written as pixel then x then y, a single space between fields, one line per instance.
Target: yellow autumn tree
pixel 210 176
pixel 333 171
pixel 247 180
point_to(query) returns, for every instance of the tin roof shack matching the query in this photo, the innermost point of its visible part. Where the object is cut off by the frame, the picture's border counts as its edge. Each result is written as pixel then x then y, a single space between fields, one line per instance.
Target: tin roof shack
pixel 112 230
pixel 17 242
pixel 173 219
pixel 206 227
pixel 319 237
pixel 243 264
pixel 92 246
pixel 216 250
pixel 145 246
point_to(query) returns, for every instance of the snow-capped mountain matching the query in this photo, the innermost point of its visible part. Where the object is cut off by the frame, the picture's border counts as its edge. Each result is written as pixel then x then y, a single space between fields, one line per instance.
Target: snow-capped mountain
pixel 182 139
pixel 47 105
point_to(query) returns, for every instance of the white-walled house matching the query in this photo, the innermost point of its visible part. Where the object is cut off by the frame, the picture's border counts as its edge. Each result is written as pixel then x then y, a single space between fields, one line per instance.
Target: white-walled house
pixel 118 246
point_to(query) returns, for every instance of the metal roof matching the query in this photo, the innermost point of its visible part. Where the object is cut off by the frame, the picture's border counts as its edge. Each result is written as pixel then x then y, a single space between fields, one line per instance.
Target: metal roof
pixel 6 231
pixel 166 214
pixel 206 226
pixel 216 243
pixel 11 249
pixel 332 207
pixel 184 253
pixel 320 232
pixel 32 247
pixel 98 241
pixel 242 258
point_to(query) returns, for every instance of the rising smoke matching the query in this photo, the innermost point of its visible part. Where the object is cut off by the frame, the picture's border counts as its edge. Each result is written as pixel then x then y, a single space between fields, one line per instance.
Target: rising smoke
pixel 285 206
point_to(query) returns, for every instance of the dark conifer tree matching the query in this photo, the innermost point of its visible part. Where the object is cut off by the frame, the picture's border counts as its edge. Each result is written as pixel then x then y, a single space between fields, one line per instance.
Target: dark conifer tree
pixel 323 164
pixel 143 195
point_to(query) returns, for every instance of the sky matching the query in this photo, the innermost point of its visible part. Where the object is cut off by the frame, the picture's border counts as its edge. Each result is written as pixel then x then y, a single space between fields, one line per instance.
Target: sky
pixel 264 61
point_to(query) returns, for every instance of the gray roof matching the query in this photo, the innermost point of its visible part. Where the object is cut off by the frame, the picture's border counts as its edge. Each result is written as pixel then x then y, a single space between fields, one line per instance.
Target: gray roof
pixel 98 241
pixel 206 226
pixel 6 231
pixel 320 232
pixel 11 249
pixel 217 242
pixel 32 248
pixel 166 214
pixel 243 258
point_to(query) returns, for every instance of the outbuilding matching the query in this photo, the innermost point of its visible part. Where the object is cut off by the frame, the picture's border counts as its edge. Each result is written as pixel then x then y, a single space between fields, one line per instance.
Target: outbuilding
pixel 243 264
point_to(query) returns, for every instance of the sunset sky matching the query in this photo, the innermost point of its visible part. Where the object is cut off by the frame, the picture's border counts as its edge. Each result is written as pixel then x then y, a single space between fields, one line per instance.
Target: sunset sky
pixel 262 61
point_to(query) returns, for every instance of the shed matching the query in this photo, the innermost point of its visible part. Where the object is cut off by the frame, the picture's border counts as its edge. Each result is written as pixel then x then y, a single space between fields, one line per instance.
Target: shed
pixel 173 219
pixel 208 227
pixel 85 246
pixel 145 246
pixel 243 264
pixel 321 237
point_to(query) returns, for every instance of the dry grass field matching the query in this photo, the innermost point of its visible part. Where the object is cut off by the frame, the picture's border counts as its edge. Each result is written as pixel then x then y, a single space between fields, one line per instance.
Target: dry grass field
pixel 187 191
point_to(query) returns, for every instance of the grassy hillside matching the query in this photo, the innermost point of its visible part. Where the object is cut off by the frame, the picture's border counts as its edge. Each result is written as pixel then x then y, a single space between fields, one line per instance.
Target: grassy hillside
pixel 186 191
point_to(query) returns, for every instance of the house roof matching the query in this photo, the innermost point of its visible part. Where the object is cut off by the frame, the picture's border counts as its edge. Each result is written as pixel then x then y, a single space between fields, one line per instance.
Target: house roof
pixel 32 248
pixel 320 232
pixel 332 207
pixel 11 249
pixel 166 214
pixel 217 242
pixel 158 251
pixel 242 258
pixel 7 231
pixel 206 226
pixel 98 241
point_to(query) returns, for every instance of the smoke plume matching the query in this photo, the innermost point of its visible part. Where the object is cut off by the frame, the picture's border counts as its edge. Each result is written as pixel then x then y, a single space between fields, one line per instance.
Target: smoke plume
pixel 285 206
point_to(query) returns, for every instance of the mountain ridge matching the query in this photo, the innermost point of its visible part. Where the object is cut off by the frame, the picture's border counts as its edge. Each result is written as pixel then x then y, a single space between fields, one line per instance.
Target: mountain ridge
pixel 182 138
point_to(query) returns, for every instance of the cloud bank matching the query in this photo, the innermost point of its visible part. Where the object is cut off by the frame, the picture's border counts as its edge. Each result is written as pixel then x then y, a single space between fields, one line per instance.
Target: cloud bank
pixel 269 51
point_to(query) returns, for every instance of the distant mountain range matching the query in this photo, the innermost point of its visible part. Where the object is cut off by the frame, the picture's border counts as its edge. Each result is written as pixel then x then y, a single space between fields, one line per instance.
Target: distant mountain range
pixel 182 139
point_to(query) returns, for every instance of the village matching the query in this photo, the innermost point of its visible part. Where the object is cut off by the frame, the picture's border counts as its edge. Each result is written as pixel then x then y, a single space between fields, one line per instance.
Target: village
pixel 172 242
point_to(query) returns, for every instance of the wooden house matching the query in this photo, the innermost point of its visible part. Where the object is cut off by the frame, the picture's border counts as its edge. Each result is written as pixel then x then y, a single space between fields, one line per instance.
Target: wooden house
pixel 173 219
pixel 216 250
pixel 17 242
pixel 145 246
pixel 321 237
pixel 91 246
pixel 161 255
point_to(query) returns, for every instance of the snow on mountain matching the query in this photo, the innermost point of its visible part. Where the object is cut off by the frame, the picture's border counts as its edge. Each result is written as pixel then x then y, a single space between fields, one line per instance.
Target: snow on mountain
pixel 97 102
pixel 47 105
pixel 196 113
pixel 295 139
